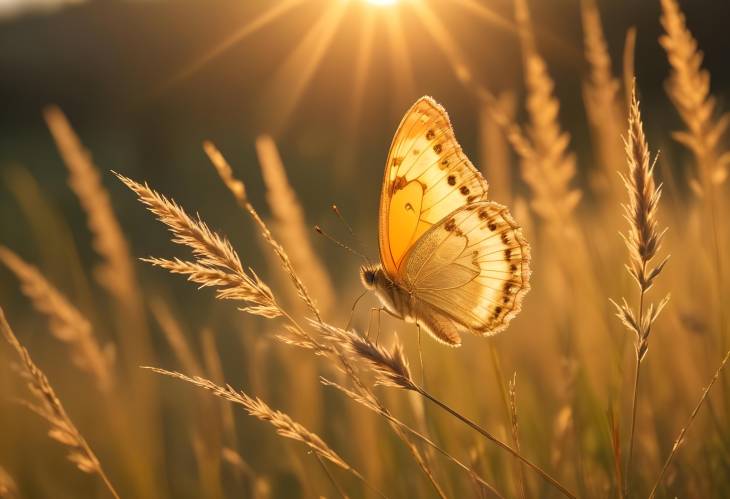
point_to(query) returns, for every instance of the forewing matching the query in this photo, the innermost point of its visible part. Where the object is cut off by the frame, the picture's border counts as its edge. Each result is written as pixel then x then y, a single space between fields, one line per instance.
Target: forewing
pixel 473 267
pixel 427 176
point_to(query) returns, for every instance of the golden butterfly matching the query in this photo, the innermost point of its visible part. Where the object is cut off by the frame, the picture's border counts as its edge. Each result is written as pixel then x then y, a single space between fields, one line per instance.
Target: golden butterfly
pixel 450 260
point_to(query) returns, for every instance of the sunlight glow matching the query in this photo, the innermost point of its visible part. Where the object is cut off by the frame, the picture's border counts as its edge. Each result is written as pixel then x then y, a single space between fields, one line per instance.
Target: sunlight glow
pixel 381 2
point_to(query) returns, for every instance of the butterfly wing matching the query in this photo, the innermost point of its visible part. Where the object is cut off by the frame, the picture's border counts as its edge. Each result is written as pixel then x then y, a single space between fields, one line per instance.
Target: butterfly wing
pixel 473 267
pixel 427 176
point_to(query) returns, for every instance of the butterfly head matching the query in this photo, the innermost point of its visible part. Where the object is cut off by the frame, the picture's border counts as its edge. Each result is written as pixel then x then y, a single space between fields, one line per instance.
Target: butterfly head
pixel 370 275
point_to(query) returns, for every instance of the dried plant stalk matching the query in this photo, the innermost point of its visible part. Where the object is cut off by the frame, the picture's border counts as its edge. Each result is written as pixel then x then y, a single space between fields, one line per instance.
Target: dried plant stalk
pixel 214 368
pixel 548 167
pixel 680 438
pixel 238 189
pixel 116 273
pixel 601 93
pixel 643 241
pixel 391 369
pixel 175 337
pixel 65 321
pixel 49 407
pixel 218 265
pixel 291 225
pixel 257 408
pixel 366 402
pixel 512 389
pixel 689 88
pixel 216 262
pixel 8 489
pixel 495 157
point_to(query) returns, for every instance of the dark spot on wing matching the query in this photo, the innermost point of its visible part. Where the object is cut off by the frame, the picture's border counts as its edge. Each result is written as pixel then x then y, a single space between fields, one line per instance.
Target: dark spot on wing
pixel 464 190
pixel 399 183
pixel 451 180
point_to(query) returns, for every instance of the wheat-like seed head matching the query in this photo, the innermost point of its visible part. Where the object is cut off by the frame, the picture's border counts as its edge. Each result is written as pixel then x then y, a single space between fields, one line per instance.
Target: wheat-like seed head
pixel 601 91
pixel 643 239
pixel 290 224
pixel 49 407
pixel 390 367
pixel 548 167
pixel 66 322
pixel 116 273
pixel 285 425
pixel 238 190
pixel 689 88
pixel 216 262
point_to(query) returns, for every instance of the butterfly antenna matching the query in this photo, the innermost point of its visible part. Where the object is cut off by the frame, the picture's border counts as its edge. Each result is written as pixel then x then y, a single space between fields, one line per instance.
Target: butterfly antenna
pixel 354 237
pixel 321 232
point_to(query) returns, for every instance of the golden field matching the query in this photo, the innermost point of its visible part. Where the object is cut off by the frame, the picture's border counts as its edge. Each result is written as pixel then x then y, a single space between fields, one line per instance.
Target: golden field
pixel 120 379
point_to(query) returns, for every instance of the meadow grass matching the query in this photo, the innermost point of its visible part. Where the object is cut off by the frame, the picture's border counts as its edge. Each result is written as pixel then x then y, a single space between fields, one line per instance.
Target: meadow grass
pixel 594 414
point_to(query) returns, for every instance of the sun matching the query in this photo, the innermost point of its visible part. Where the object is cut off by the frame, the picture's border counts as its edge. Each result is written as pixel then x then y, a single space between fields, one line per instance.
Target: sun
pixel 381 2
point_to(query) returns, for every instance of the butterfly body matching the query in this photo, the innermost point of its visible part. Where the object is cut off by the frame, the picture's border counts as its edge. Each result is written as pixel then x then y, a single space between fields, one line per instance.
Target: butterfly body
pixel 451 261
pixel 395 299
pixel 400 302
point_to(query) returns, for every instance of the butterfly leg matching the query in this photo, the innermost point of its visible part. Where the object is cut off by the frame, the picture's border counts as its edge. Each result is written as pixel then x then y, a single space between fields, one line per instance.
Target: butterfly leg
pixel 352 311
pixel 420 356
pixel 377 335
pixel 370 322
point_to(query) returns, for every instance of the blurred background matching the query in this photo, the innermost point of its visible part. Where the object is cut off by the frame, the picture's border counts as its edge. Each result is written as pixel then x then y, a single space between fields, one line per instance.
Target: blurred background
pixel 145 82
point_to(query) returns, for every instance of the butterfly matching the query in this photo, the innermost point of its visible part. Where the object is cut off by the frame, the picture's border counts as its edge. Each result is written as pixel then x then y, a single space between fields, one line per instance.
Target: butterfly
pixel 450 260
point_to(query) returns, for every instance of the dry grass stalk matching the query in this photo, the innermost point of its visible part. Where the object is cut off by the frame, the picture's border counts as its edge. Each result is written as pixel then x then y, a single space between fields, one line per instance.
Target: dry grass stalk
pixel 615 433
pixel 391 369
pixel 175 337
pixel 216 262
pixel 116 273
pixel 643 241
pixel 601 93
pixel 206 436
pixel 8 488
pixel 238 190
pixel 368 403
pixel 218 265
pixel 291 225
pixel 66 323
pixel 627 63
pixel 547 165
pixel 680 438
pixel 495 157
pixel 512 389
pixel 49 407
pixel 214 368
pixel 689 88
pixel 284 425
